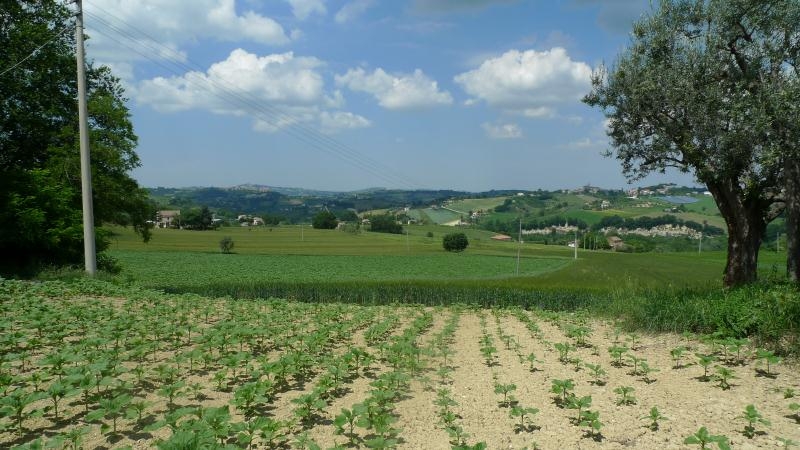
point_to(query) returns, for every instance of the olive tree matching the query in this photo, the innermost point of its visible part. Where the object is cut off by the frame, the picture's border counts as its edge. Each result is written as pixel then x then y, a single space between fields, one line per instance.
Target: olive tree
pixel 699 89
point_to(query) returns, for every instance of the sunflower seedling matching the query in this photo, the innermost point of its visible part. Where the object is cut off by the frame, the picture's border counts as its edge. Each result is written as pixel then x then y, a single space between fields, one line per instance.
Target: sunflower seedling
pixel 617 352
pixel 625 397
pixel 654 416
pixel 597 373
pixel 752 416
pixel 523 413
pixel 677 356
pixel 768 357
pixel 723 375
pixel 563 351
pixel 705 362
pixel 703 438
pixel 506 390
pixel 580 404
pixel 531 359
pixel 795 407
pixel 591 420
pixel 562 389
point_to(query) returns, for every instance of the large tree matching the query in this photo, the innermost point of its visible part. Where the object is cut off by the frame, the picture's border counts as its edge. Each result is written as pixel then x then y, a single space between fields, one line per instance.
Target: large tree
pixel 698 90
pixel 40 197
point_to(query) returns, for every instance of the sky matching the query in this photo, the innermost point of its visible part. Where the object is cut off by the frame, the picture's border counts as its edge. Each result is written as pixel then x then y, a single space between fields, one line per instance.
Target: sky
pixel 352 94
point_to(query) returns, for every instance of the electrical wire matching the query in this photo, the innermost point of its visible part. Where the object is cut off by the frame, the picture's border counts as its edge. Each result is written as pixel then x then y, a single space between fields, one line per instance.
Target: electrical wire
pixel 36 50
pixel 146 46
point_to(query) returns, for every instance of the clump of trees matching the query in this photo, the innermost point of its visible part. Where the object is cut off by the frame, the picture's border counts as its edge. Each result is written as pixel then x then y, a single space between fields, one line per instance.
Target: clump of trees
pixel 324 220
pixel 711 87
pixel 40 182
pixel 385 223
pixel 455 242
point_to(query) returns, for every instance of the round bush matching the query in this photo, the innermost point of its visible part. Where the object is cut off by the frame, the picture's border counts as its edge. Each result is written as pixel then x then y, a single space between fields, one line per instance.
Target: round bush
pixel 455 242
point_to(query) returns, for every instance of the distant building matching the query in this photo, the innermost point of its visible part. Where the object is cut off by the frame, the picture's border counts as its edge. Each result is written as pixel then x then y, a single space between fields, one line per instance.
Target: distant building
pixel 501 237
pixel 167 218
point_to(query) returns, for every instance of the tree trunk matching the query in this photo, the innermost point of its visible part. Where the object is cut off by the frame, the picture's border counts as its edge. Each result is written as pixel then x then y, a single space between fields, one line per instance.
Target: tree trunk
pixel 746 225
pixel 792 193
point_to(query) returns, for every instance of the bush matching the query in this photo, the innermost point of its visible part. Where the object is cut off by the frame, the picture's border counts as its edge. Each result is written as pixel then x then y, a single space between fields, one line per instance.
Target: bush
pixel 324 220
pixel 455 242
pixel 226 244
pixel 429 234
pixel 385 224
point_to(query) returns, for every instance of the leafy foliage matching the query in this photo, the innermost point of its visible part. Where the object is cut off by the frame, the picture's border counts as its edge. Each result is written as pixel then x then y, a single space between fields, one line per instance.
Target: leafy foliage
pixel 455 242
pixel 40 196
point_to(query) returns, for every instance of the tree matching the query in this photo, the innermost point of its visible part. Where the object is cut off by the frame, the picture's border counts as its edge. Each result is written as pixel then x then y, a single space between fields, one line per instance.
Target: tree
pixel 226 244
pixel 455 242
pixel 696 91
pixel 324 220
pixel 40 197
pixel 198 219
pixel 385 223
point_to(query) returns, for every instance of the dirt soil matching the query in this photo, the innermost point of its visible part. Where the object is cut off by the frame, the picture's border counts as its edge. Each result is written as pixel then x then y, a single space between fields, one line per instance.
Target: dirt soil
pixel 687 399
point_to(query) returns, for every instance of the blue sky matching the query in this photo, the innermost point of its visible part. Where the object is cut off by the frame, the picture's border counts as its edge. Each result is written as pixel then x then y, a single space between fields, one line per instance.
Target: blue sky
pixel 349 94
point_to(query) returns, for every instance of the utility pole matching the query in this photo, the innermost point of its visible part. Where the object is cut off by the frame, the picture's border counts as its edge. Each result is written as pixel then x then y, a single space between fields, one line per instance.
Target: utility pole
pixel 576 242
pixel 301 233
pixel 519 243
pixel 408 248
pixel 89 250
pixel 700 246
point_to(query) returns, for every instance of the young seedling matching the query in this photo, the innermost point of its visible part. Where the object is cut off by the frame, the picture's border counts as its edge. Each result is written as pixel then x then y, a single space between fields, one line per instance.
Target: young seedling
pixel 752 416
pixel 769 357
pixel 705 362
pixel 16 402
pixel 591 420
pixel 597 373
pixel 654 416
pixel 488 352
pixel 523 413
pixel 788 443
pixel 348 417
pixel 531 359
pixel 703 438
pixel 788 393
pixel 563 351
pixel 645 370
pixel 617 352
pixel 677 356
pixel 580 404
pixel 723 375
pixel 505 389
pixel 633 338
pixel 111 408
pixel 562 389
pixel 625 395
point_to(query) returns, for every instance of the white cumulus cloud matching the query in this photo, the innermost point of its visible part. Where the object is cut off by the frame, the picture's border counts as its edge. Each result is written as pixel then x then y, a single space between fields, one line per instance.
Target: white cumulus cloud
pixel 528 82
pixel 352 10
pixel 159 28
pixel 396 91
pixel 303 9
pixel 277 90
pixel 502 130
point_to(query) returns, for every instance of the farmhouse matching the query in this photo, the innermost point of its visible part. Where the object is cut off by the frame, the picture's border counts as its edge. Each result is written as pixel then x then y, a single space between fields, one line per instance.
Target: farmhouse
pixel 167 218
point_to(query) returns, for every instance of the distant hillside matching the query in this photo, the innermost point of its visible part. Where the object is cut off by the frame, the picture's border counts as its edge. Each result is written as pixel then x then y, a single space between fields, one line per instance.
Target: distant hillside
pixel 293 204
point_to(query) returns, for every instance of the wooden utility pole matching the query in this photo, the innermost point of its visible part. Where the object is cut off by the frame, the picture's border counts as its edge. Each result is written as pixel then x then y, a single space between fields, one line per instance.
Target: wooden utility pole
pixel 89 250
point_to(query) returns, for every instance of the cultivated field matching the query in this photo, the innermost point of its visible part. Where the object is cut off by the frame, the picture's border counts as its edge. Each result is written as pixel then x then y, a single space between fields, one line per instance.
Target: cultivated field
pixel 92 364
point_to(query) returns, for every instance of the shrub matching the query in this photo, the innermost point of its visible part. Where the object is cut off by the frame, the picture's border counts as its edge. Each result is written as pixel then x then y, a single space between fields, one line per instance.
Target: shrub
pixel 385 224
pixel 226 244
pixel 429 234
pixel 324 220
pixel 455 242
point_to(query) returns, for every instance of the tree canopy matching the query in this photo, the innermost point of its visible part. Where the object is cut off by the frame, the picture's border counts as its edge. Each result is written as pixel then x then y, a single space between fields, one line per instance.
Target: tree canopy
pixel 40 192
pixel 455 242
pixel 385 223
pixel 324 220
pixel 700 89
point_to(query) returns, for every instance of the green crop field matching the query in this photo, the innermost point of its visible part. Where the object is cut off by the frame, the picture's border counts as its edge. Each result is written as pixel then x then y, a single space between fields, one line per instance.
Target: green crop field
pixel 475 204
pixel 440 216
pixel 286 256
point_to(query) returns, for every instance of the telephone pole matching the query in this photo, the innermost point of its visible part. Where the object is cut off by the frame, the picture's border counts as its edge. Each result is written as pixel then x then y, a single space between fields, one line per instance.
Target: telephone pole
pixel 519 243
pixel 89 250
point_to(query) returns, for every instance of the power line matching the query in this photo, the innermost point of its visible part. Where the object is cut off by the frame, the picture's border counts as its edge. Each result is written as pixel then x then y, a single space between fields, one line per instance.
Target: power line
pixel 227 93
pixel 36 50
